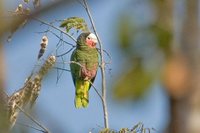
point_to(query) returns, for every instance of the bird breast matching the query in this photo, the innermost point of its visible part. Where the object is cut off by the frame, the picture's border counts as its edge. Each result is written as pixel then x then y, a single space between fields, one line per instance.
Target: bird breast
pixel 88 74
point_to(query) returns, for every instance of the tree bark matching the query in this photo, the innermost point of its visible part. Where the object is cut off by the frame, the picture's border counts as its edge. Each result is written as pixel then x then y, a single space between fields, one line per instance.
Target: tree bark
pixel 190 40
pixel 185 111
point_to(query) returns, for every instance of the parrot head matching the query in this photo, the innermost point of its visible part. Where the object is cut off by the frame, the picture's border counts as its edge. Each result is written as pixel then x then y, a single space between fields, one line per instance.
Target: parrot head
pixel 87 39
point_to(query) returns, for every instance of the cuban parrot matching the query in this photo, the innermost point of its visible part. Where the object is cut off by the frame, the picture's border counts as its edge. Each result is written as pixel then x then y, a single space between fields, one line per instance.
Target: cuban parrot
pixel 84 65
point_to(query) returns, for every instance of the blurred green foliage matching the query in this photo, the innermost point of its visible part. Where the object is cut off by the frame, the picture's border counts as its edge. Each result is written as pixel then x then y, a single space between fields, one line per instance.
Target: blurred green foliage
pixel 134 82
pixel 142 69
pixel 164 37
pixel 125 32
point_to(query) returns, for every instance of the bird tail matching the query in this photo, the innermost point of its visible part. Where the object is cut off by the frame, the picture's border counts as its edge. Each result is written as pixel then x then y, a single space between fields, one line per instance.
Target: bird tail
pixel 82 93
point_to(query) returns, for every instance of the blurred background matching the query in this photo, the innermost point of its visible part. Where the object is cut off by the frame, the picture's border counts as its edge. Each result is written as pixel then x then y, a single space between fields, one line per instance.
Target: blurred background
pixel 153 77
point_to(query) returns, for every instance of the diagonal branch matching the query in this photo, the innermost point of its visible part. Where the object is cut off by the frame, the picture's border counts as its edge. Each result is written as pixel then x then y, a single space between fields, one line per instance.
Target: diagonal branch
pixel 32 127
pixel 96 90
pixel 35 121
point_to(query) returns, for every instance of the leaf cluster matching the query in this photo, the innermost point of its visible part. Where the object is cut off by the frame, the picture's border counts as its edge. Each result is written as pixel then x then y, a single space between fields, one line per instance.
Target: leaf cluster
pixel 74 22
pixel 138 128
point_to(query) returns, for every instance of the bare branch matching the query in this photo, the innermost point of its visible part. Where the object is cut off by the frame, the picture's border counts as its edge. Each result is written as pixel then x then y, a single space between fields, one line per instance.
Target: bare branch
pixel 102 66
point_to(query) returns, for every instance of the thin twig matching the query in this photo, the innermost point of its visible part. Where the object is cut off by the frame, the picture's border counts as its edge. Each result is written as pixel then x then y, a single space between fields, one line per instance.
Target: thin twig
pixel 42 32
pixel 74 62
pixel 48 30
pixel 32 119
pixel 62 39
pixel 49 24
pixel 109 56
pixel 42 22
pixel 71 62
pixel 96 90
pixel 29 126
pixel 62 69
pixel 102 66
pixel 82 4
pixel 65 52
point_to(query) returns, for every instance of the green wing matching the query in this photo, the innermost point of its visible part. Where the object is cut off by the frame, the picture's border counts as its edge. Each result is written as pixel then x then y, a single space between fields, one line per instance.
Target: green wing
pixel 75 68
pixel 82 87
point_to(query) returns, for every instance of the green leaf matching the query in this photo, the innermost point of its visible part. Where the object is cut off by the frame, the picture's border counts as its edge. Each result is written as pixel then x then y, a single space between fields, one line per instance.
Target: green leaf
pixel 74 23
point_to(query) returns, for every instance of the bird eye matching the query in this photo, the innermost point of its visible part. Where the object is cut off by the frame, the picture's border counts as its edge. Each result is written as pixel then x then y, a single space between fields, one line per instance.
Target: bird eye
pixel 89 38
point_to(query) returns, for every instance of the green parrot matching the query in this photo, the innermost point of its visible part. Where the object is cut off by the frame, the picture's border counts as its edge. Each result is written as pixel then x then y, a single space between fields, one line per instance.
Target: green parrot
pixel 84 65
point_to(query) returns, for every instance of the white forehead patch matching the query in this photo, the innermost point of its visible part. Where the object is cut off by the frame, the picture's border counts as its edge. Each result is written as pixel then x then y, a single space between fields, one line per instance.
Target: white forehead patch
pixel 93 36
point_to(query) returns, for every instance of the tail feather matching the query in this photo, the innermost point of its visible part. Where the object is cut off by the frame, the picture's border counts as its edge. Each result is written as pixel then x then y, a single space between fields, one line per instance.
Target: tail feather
pixel 82 94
